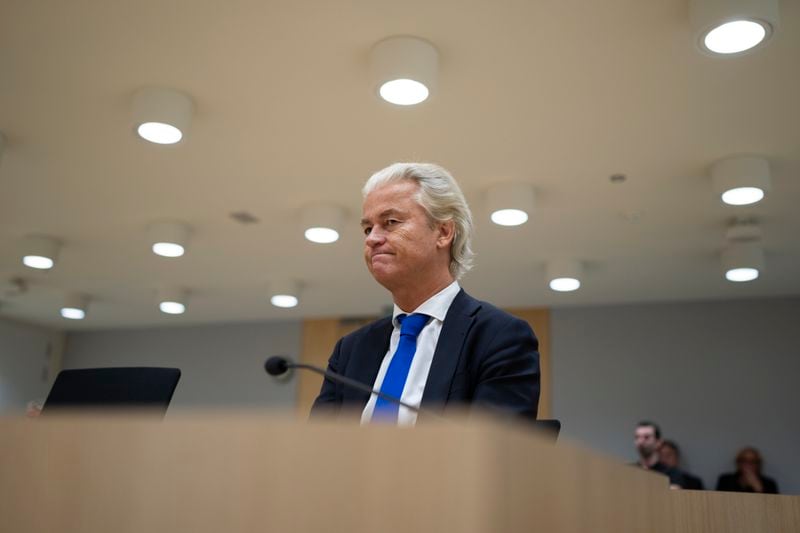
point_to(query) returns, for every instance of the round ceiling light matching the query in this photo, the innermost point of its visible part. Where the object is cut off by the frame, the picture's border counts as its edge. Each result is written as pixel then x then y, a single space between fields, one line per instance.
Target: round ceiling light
pixel 743 261
pixel 168 249
pixel 404 69
pixel 162 116
pixel 322 235
pixel 725 27
pixel 741 180
pixel 510 204
pixel 509 217
pixel 159 133
pixel 285 294
pixel 564 275
pixel 284 300
pixel 404 92
pixel 734 37
pixel 75 306
pixel 40 252
pixel 168 239
pixel 323 223
pixel 172 301
pixel 741 274
pixel 742 196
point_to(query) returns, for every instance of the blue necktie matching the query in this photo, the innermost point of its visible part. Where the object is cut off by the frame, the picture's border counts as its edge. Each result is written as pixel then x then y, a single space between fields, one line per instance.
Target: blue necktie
pixel 395 379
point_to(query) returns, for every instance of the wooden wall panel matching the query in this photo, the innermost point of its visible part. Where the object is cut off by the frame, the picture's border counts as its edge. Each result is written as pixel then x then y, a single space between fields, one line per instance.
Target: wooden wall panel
pixel 539 319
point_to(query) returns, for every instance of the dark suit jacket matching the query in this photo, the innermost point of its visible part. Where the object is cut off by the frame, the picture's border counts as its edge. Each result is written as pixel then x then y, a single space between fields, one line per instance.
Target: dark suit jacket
pixel 485 357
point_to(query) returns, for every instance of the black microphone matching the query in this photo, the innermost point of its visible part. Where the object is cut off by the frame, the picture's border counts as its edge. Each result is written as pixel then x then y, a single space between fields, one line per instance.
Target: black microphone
pixel 278 365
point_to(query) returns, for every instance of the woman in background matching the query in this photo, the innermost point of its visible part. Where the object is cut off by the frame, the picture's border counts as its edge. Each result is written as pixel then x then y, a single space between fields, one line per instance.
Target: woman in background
pixel 748 477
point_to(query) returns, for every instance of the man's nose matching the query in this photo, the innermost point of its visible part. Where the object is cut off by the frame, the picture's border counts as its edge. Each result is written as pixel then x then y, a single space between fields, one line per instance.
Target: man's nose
pixel 374 237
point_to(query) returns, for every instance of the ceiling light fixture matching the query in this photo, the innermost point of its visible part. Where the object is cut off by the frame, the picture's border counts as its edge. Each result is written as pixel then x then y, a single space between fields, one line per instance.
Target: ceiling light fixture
pixel 741 180
pixel 75 306
pixel 404 69
pixel 40 252
pixel 727 27
pixel 168 238
pixel 161 116
pixel 743 261
pixel 285 294
pixel 172 300
pixel 510 204
pixel 743 258
pixel 323 223
pixel 564 275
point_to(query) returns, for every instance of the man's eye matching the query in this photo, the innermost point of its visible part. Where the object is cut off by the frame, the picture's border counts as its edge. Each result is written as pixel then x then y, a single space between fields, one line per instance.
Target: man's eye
pixel 367 229
pixel 392 222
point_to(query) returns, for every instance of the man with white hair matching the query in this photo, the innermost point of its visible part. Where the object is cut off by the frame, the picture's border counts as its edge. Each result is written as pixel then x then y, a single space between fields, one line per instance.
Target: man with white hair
pixel 441 347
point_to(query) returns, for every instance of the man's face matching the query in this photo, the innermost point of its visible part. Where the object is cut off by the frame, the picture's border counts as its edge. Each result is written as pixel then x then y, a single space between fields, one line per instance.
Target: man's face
pixel 668 456
pixel 748 461
pixel 645 440
pixel 401 246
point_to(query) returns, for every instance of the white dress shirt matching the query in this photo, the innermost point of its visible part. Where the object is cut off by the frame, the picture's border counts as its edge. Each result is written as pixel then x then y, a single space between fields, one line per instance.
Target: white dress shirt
pixel 436 307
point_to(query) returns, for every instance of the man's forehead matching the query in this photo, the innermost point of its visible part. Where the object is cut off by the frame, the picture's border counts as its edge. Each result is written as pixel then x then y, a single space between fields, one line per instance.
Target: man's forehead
pixel 645 430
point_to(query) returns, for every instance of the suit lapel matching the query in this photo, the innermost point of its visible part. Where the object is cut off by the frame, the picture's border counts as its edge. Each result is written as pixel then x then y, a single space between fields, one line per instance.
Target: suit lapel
pixel 449 348
pixel 369 355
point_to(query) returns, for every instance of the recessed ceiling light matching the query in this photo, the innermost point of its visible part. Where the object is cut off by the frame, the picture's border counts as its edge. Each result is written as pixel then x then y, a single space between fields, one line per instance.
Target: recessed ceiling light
pixel 40 252
pixel 725 27
pixel 741 180
pixel 743 261
pixel 404 92
pixel 285 293
pixel 168 238
pixel 404 69
pixel 38 261
pixel 159 133
pixel 510 204
pixel 322 235
pixel 75 306
pixel 564 275
pixel 172 300
pixel 734 37
pixel 509 217
pixel 172 308
pixel 160 115
pixel 742 196
pixel 168 249
pixel 565 284
pixel 73 313
pixel 741 274
pixel 323 223
pixel 284 300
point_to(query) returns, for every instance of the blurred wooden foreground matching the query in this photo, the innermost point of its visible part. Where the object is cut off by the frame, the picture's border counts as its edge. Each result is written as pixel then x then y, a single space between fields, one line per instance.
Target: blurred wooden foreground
pixel 241 473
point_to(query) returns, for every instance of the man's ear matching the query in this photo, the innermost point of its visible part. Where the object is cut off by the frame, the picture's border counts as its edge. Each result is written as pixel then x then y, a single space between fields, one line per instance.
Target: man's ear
pixel 447 232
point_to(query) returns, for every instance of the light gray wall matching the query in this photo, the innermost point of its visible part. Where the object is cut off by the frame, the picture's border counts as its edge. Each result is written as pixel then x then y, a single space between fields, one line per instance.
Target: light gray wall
pixel 222 366
pixel 715 375
pixel 27 354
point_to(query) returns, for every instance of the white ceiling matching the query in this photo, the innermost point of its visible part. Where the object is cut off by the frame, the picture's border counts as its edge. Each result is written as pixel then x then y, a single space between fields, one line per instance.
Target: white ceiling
pixel 560 94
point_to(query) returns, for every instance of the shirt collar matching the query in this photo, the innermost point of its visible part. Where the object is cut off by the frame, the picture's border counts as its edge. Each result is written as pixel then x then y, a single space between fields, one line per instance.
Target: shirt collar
pixel 435 306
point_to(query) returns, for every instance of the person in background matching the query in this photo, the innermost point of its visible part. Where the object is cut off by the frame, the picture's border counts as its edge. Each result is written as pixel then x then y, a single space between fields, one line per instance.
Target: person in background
pixel 748 477
pixel 34 408
pixel 647 439
pixel 670 454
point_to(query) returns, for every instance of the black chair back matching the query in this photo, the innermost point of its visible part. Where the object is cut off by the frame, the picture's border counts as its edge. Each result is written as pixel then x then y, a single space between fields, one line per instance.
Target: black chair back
pixel 145 388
